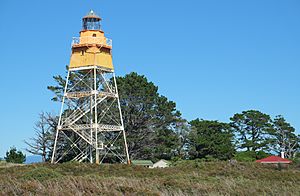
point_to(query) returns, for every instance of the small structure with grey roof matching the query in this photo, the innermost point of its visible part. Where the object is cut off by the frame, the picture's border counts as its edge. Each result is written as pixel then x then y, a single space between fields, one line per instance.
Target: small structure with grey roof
pixel 145 163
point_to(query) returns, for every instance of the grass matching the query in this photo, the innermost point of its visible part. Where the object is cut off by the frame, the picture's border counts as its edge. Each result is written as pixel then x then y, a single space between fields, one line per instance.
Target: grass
pixel 4 164
pixel 185 178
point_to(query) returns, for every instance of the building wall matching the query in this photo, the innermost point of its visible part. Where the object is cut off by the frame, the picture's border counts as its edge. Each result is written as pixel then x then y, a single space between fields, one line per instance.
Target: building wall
pixel 161 164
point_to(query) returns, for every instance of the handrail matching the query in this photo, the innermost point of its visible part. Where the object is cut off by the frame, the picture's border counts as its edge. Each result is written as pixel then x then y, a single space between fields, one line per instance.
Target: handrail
pixel 92 40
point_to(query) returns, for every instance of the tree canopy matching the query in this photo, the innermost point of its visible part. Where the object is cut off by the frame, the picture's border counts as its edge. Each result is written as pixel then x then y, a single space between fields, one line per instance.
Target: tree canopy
pixel 156 130
pixel 253 130
pixel 42 143
pixel 149 118
pixel 14 156
pixel 210 139
pixel 285 139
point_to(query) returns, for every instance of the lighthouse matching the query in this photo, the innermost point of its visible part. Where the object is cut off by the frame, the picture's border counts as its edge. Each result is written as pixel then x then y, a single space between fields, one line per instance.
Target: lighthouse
pixel 92 47
pixel 90 126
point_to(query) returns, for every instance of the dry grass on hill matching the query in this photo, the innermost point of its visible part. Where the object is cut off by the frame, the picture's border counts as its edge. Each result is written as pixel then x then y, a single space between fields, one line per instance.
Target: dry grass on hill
pixel 187 178
pixel 4 164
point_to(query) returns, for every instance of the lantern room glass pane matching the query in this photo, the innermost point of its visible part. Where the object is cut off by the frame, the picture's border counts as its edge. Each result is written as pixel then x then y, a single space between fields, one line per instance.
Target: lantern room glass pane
pixel 91 24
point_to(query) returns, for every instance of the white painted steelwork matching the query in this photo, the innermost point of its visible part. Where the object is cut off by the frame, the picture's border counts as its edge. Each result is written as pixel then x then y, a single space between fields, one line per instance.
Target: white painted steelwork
pixel 90 126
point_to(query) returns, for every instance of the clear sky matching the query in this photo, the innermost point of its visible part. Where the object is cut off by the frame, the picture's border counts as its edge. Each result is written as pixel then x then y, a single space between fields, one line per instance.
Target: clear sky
pixel 213 58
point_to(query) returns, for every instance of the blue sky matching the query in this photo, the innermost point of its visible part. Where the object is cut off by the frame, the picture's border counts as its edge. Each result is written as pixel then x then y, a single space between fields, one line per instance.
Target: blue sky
pixel 213 58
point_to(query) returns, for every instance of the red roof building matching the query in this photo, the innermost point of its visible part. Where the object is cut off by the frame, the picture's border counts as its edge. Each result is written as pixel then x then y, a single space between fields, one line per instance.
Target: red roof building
pixel 274 159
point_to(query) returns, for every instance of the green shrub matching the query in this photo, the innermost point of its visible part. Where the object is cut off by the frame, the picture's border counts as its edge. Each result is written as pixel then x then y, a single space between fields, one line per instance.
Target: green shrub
pixel 14 156
pixel 40 174
pixel 250 156
pixel 296 162
pixel 261 154
pixel 247 156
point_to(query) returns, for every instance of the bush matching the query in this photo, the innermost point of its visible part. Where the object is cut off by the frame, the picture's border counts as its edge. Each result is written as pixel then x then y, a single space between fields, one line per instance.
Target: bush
pixel 40 174
pixel 250 156
pixel 14 156
pixel 261 154
pixel 247 156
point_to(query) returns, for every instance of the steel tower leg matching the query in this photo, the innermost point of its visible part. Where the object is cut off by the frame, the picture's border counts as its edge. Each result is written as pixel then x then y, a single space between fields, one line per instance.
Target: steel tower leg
pixel 121 117
pixel 91 120
pixel 96 118
pixel 59 120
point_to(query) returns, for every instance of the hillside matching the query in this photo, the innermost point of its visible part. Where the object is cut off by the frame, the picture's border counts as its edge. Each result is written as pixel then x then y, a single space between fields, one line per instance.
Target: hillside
pixel 186 178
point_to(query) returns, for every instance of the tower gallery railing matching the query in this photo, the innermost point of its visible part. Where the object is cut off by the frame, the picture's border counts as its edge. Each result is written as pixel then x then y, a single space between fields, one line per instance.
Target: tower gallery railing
pixel 91 40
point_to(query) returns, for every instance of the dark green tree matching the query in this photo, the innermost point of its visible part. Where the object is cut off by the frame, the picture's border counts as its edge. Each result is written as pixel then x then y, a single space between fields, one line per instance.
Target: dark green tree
pixel 210 139
pixel 14 156
pixel 253 130
pixel 167 144
pixel 285 139
pixel 150 119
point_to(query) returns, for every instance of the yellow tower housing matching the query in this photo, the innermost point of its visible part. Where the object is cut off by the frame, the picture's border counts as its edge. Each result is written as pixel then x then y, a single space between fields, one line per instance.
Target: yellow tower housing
pixel 92 48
